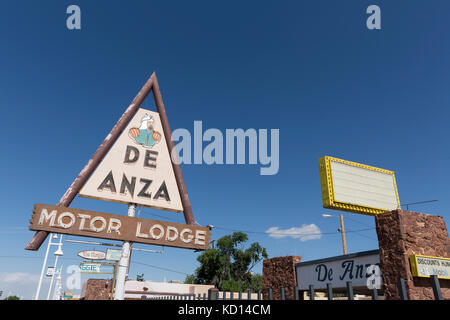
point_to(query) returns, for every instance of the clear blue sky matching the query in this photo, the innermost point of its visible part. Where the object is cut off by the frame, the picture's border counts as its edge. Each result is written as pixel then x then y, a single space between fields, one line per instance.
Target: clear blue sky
pixel 309 68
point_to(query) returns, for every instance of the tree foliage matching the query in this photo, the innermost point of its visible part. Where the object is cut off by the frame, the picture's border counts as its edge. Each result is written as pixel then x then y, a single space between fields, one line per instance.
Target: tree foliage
pixel 228 266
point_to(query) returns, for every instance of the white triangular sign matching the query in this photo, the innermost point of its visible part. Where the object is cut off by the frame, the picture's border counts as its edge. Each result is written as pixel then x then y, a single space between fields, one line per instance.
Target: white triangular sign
pixel 137 169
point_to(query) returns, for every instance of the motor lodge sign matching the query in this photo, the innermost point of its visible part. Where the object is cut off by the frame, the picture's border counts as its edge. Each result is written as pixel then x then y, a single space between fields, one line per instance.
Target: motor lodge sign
pixel 138 168
pixel 86 223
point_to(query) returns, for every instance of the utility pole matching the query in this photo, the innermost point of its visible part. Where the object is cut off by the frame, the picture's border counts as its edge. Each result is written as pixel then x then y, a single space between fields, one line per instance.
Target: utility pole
pixel 344 244
pixel 124 261
pixel 341 230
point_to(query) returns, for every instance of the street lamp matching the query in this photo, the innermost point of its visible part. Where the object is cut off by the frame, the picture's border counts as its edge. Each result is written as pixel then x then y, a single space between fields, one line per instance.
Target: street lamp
pixel 341 230
pixel 50 243
pixel 59 252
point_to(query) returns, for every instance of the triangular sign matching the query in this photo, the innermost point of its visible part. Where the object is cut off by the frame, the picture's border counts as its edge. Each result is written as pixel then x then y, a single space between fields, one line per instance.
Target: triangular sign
pixel 117 131
pixel 138 168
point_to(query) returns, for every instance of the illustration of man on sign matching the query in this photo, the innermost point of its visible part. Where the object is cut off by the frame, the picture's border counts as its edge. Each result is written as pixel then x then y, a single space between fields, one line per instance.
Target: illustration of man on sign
pixel 145 135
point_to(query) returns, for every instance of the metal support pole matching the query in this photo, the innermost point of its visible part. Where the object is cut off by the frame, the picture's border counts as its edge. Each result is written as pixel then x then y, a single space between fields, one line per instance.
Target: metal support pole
pixel 123 262
pixel 296 295
pixel 51 281
pixel 282 295
pixel 344 244
pixel 311 292
pixel 436 287
pixel 113 286
pixel 58 287
pixel 54 269
pixel 270 294
pixel 402 289
pixel 329 291
pixel 249 294
pixel 350 290
pixel 36 297
pixel 129 257
pixel 374 293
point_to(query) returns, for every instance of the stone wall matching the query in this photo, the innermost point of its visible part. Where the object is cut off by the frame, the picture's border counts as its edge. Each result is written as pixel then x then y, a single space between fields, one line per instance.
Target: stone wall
pixel 404 233
pixel 97 289
pixel 280 273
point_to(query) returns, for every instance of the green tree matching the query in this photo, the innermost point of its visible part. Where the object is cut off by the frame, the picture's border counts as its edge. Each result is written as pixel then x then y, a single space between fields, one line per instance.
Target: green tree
pixel 12 298
pixel 256 282
pixel 228 266
pixel 190 279
pixel 231 285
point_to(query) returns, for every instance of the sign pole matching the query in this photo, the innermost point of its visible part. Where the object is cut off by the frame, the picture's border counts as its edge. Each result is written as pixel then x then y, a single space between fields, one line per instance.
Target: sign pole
pixel 51 281
pixel 123 262
pixel 54 268
pixel 36 297
pixel 113 288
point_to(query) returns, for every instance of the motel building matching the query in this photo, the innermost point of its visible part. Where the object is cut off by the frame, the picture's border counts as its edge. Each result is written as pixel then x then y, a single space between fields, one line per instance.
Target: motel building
pixel 98 289
pixel 138 290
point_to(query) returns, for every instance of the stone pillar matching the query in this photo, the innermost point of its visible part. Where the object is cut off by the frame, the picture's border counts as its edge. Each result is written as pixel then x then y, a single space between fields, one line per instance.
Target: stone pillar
pixel 212 293
pixel 401 234
pixel 280 273
pixel 98 289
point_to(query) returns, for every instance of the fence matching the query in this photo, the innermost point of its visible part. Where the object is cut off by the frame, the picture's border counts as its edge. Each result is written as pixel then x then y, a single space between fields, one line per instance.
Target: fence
pixel 215 295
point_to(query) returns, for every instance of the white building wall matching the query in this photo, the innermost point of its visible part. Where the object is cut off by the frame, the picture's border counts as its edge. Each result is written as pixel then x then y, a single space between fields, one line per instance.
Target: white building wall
pixel 136 289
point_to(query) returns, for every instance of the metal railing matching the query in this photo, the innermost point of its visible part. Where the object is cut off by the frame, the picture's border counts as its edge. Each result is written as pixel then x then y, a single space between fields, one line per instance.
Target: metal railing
pixel 215 295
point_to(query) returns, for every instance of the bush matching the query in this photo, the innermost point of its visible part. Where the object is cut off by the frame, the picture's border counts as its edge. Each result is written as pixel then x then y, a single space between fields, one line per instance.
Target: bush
pixel 231 285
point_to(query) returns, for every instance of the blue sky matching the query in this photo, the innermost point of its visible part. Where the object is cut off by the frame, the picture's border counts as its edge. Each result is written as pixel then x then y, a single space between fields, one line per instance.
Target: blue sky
pixel 310 69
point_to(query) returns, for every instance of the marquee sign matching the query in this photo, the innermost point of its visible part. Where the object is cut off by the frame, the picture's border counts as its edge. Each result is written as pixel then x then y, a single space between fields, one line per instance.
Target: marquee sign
pixel 354 187
pixel 138 168
pixel 424 266
pixel 57 219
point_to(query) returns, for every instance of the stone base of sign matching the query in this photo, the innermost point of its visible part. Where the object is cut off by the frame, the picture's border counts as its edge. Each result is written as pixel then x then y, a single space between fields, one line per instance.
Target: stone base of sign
pixel 97 289
pixel 280 273
pixel 212 293
pixel 404 233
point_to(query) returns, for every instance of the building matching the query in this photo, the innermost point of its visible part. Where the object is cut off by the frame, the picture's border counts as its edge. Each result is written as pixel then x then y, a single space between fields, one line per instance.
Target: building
pixel 136 290
pixel 99 289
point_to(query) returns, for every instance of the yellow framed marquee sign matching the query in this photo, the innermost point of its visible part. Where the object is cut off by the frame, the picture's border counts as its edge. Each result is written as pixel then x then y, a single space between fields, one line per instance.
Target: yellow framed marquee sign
pixel 425 266
pixel 359 188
